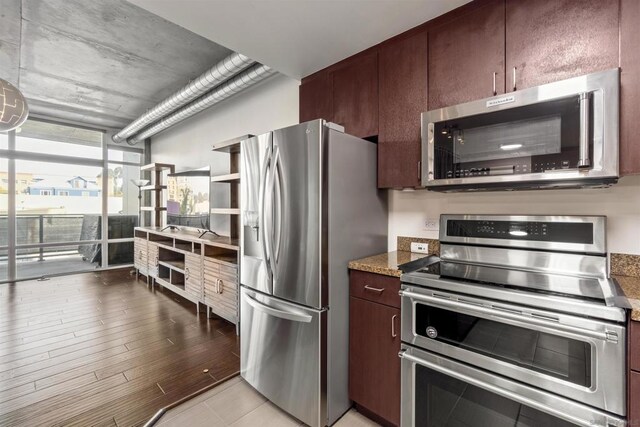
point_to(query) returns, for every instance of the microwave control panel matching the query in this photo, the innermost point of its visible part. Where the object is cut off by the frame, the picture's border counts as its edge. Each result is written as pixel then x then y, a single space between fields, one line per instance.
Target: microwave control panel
pixel 534 166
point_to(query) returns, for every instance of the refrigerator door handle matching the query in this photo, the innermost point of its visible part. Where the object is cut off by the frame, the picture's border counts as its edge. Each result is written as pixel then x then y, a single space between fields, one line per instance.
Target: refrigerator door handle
pixel 261 214
pixel 279 207
pixel 282 314
pixel 271 182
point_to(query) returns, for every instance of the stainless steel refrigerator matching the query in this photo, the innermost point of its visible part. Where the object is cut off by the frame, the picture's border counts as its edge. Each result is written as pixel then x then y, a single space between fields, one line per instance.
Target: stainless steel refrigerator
pixel 309 204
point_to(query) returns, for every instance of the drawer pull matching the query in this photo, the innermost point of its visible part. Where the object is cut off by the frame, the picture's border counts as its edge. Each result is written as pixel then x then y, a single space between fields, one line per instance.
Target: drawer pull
pixel 372 289
pixel 186 273
pixel 219 286
pixel 393 326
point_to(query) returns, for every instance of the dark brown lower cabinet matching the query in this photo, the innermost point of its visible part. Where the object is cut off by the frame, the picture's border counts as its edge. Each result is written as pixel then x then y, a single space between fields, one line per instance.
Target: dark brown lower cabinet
pixel 374 365
pixel 634 398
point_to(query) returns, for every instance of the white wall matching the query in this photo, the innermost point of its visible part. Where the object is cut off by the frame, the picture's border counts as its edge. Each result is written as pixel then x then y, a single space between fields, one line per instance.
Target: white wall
pixel 620 203
pixel 269 105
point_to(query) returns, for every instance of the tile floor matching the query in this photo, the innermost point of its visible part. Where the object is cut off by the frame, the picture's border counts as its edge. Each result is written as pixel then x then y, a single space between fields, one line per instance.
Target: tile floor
pixel 235 403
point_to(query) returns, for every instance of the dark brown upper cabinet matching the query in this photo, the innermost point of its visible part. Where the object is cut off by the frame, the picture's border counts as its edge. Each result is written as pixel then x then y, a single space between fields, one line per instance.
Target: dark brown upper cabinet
pixel 355 95
pixel 466 55
pixel 630 90
pixel 403 97
pixel 548 41
pixel 316 98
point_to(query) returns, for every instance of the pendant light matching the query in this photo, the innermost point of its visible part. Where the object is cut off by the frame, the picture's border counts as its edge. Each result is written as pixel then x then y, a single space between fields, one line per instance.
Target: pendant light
pixel 13 107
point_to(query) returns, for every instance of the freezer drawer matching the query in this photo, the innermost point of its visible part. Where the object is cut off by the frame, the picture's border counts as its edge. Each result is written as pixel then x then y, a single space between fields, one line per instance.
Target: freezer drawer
pixel 281 354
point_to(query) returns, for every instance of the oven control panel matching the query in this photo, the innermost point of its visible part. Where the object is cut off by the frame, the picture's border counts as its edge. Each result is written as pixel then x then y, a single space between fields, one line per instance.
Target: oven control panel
pixel 566 232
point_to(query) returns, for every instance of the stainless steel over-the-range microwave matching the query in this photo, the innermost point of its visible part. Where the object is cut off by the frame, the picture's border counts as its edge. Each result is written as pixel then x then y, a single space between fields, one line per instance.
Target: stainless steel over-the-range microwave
pixel 558 135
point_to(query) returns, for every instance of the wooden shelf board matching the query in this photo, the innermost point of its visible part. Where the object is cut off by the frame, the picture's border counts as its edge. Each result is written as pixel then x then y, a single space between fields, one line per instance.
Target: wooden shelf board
pixel 175 265
pixel 225 242
pixel 232 261
pixel 158 167
pixel 229 178
pixel 153 208
pixel 177 289
pixel 231 145
pixel 226 211
pixel 154 187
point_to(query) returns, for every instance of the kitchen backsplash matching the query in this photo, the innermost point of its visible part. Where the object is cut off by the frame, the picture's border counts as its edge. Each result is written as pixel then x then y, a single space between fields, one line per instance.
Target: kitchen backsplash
pixel 625 265
pixel 404 244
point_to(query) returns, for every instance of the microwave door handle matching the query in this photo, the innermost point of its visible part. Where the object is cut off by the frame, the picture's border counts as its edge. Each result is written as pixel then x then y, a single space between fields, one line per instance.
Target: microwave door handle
pixel 584 161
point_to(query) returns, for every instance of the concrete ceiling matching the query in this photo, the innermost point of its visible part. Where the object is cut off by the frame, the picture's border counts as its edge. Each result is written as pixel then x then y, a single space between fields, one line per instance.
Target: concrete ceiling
pixel 298 37
pixel 100 62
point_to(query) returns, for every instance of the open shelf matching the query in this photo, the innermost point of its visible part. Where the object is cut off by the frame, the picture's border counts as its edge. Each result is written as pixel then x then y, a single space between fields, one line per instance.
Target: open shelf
pixel 231 145
pixel 222 242
pixel 153 187
pixel 229 178
pixel 226 211
pixel 174 265
pixel 157 167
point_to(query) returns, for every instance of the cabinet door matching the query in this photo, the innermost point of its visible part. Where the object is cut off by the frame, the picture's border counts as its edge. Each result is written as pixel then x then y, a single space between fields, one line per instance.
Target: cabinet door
pixel 140 254
pixel 193 275
pixel 464 54
pixel 355 95
pixel 402 98
pixel 634 398
pixel 316 98
pixel 547 41
pixel 374 365
pixel 629 87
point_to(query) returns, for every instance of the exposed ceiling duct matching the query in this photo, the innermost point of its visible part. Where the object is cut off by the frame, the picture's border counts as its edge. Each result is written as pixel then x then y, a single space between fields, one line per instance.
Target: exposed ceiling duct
pixel 222 71
pixel 242 81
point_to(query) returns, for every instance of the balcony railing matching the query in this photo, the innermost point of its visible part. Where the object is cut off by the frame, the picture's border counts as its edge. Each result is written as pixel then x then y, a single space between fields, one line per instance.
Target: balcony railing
pixel 64 228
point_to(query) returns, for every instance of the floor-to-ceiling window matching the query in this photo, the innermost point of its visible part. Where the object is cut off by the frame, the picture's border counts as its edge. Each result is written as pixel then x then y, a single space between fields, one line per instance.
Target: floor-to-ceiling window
pixel 65 201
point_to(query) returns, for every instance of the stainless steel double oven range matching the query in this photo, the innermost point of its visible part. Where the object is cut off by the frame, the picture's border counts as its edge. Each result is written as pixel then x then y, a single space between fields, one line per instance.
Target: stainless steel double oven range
pixel 516 325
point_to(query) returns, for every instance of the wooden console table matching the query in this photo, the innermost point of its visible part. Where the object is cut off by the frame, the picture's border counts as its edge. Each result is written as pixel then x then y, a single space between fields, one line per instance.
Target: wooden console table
pixel 203 270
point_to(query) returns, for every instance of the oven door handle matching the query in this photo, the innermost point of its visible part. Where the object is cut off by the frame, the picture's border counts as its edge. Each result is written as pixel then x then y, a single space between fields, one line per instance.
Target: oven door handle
pixel 517 397
pixel 504 314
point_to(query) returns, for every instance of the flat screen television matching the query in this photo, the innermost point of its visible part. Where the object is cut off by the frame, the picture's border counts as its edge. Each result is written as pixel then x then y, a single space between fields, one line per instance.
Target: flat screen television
pixel 188 199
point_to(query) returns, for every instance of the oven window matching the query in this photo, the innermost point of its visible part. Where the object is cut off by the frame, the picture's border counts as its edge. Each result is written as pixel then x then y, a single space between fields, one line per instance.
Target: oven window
pixel 444 401
pixel 557 356
pixel 529 139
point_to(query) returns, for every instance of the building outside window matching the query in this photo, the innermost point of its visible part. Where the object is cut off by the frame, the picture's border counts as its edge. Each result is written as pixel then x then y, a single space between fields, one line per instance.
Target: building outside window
pixel 61 204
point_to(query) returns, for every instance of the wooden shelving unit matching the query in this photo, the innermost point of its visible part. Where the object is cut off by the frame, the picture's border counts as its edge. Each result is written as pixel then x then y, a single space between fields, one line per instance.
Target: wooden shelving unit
pixel 204 270
pixel 156 170
pixel 232 147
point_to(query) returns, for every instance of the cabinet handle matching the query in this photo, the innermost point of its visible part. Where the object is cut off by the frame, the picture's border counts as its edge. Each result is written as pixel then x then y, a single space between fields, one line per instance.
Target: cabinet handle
pixel 393 326
pixel 514 79
pixel 419 170
pixel 372 289
pixel 140 256
pixel 186 273
pixel 219 286
pixel 495 92
pixel 157 261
